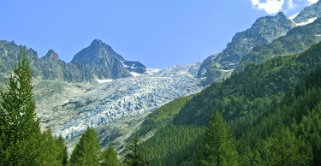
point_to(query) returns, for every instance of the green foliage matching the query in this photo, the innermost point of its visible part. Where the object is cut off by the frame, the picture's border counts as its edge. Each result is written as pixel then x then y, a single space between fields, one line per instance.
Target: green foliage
pixel 167 146
pixel 284 149
pixel 309 130
pixel 109 157
pixel 173 145
pixel 218 145
pixel 54 152
pixel 135 157
pixel 284 91
pixel 163 115
pixel 19 132
pixel 22 143
pixel 298 142
pixel 65 157
pixel 87 151
pixel 247 94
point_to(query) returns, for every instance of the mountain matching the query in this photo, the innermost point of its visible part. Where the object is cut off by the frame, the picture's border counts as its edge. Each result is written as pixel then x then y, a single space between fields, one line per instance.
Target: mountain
pixel 100 61
pixel 309 12
pixel 263 31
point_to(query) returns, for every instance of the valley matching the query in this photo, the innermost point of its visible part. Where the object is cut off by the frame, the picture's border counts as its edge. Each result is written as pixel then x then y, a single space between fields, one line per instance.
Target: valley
pixel 256 102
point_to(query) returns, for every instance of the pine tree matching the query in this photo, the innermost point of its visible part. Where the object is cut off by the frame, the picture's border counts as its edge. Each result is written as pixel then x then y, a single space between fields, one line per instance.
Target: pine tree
pixel 87 151
pixel 218 145
pixel 134 157
pixel 20 131
pixel 109 157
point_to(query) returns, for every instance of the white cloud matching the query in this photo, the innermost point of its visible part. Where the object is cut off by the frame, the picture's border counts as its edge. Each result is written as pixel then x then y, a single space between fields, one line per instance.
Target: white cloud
pixel 275 6
pixel 291 5
pixel 270 6
pixel 312 1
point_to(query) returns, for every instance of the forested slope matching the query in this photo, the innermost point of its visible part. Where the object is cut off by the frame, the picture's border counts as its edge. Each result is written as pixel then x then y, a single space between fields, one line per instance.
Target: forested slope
pixel 272 110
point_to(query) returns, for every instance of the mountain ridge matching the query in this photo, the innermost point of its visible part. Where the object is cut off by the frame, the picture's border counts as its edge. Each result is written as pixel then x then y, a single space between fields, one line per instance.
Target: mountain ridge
pixel 264 30
pixel 98 61
pixel 309 12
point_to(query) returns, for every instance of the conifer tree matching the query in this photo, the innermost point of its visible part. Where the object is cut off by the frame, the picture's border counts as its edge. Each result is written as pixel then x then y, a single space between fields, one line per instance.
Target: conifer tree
pixel 109 157
pixel 19 129
pixel 283 148
pixel 134 157
pixel 218 145
pixel 65 156
pixel 87 151
pixel 53 151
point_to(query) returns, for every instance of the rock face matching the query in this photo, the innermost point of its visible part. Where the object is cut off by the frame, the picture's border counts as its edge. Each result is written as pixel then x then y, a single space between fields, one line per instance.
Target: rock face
pixel 133 66
pixel 100 61
pixel 308 13
pixel 307 32
pixel 10 53
pixel 50 67
pixel 263 31
pixel 297 40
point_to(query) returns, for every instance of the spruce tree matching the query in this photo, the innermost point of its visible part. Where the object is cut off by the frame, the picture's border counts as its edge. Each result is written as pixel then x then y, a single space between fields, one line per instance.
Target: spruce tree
pixel 109 157
pixel 19 128
pixel 218 145
pixel 134 157
pixel 87 151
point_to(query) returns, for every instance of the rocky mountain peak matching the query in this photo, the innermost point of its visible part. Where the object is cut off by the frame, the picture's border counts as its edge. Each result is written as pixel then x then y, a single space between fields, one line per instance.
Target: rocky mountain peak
pixel 271 27
pixel 51 54
pixel 96 51
pixel 263 31
pixel 308 13
pixel 99 60
pixel 99 44
pixel 280 17
pixel 283 19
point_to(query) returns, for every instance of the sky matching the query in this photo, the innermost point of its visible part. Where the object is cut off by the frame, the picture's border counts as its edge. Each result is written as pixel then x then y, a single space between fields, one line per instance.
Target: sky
pixel 158 33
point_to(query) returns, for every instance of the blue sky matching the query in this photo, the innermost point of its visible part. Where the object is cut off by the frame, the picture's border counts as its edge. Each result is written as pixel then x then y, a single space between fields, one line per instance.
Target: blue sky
pixel 159 33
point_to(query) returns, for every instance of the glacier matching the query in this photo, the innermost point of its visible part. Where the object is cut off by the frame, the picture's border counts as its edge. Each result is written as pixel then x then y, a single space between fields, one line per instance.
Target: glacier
pixel 115 108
